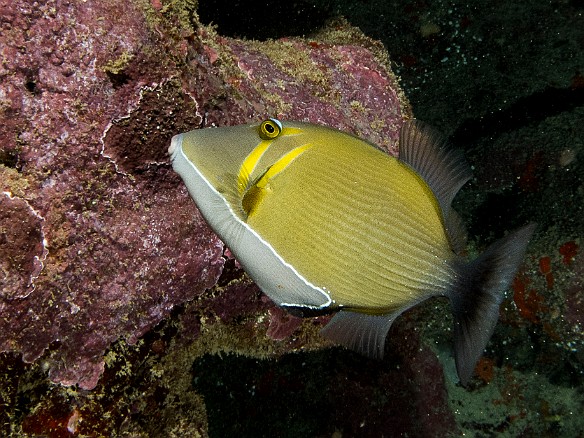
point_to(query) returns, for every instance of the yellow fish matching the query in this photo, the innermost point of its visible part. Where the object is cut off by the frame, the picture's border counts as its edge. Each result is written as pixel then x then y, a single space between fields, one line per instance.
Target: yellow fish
pixel 326 222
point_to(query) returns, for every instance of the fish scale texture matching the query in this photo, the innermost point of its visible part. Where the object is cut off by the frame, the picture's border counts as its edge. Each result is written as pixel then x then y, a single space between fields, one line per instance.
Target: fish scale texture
pixel 364 226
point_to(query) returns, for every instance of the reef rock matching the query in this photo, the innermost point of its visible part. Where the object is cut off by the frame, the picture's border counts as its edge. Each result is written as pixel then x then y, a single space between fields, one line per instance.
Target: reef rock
pixel 98 237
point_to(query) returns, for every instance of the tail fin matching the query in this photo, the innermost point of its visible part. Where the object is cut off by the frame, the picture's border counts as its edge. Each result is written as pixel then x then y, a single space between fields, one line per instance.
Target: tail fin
pixel 478 294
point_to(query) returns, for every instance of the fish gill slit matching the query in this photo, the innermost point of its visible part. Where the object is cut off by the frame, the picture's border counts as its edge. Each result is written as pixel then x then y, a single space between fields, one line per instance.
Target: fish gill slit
pixel 250 163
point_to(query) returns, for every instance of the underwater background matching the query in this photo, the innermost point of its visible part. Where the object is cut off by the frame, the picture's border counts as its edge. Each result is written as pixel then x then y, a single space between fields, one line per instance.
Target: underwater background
pixel 121 314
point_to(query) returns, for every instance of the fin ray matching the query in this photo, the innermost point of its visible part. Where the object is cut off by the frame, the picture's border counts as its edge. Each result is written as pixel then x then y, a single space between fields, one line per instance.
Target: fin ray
pixel 360 332
pixel 476 298
pixel 443 168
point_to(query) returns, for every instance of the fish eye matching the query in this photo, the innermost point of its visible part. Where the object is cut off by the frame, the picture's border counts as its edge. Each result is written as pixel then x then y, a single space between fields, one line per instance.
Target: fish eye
pixel 270 129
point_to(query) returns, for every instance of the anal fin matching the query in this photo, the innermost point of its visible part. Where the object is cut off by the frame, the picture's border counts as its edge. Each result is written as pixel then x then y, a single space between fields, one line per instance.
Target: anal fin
pixel 360 332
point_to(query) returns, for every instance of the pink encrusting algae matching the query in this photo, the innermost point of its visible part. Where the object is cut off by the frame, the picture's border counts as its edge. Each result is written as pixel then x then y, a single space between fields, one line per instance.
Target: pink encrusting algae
pixel 102 239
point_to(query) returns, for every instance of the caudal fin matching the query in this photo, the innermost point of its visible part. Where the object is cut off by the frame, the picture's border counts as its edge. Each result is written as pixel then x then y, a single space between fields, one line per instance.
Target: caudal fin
pixel 477 296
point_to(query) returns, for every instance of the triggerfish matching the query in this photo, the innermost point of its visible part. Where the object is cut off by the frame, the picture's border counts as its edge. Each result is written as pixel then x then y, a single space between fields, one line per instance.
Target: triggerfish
pixel 324 222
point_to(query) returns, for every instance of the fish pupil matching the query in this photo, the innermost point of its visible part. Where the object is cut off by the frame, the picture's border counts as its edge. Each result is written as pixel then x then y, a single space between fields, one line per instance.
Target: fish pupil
pixel 270 129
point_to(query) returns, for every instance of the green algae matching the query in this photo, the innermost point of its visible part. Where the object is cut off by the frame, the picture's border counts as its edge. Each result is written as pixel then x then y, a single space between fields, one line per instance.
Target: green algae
pixel 13 181
pixel 118 65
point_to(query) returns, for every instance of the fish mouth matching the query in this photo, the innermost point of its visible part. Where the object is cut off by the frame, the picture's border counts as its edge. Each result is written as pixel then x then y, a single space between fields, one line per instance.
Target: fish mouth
pixel 175 145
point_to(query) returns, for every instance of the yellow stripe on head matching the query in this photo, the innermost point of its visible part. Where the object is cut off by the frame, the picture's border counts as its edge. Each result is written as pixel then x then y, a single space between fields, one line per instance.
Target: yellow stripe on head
pixel 268 131
pixel 281 164
pixel 254 196
pixel 249 164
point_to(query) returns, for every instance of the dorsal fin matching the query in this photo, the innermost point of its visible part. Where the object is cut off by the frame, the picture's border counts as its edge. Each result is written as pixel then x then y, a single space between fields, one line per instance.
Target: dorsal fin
pixel 444 169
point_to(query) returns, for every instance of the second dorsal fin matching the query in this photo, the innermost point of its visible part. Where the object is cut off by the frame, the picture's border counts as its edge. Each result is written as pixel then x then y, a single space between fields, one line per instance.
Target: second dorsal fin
pixel 444 169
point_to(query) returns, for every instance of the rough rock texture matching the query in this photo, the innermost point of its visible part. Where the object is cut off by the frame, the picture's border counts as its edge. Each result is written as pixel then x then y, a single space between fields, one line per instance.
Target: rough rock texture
pixel 329 392
pixel 117 259
pixel 93 91
pixel 23 248
pixel 99 241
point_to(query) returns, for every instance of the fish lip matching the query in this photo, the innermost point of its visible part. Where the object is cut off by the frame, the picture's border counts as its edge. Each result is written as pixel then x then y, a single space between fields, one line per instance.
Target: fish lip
pixel 175 145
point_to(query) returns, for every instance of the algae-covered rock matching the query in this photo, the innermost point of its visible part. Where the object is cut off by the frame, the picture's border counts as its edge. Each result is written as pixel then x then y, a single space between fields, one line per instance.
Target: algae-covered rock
pixel 98 237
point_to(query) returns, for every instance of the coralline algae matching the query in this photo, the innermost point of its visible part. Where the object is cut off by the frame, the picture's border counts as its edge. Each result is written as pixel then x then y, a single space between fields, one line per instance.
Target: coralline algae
pixel 99 240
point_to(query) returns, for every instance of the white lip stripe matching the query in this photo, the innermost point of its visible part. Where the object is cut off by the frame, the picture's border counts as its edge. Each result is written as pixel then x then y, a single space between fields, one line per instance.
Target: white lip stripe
pixel 178 160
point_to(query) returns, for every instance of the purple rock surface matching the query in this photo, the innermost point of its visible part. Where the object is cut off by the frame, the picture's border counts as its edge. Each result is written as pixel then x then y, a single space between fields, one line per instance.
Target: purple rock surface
pixel 99 240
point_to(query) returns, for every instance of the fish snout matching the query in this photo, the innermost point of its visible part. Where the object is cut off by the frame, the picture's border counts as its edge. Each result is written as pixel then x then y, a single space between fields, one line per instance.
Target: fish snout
pixel 175 145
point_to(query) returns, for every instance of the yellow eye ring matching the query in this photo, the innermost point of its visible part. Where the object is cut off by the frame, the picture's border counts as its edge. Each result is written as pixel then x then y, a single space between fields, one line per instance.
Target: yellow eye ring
pixel 270 129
